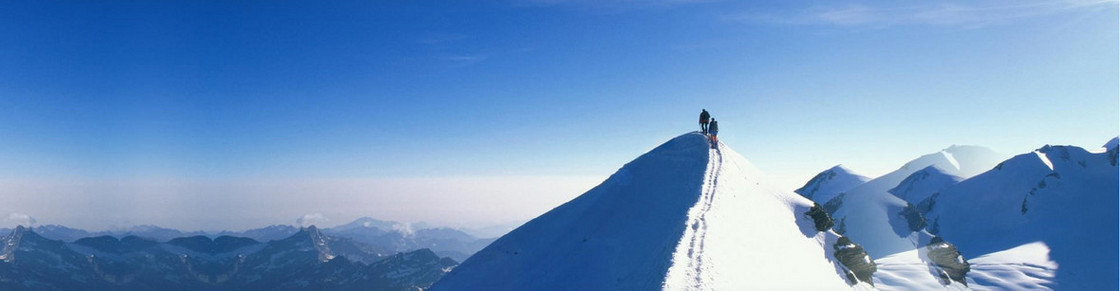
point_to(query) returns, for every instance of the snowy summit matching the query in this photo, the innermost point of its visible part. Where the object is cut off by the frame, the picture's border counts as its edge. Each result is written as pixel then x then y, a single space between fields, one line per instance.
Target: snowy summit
pixel 683 216
pixel 828 184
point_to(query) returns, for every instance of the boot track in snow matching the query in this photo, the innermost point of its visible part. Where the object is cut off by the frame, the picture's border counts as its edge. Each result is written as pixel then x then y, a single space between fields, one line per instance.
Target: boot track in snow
pixel 698 220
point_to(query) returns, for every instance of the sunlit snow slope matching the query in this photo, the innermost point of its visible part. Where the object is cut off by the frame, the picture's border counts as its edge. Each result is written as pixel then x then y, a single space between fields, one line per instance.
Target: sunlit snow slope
pixel 871 215
pixel 828 184
pixel 1045 219
pixel 682 216
pixel 890 228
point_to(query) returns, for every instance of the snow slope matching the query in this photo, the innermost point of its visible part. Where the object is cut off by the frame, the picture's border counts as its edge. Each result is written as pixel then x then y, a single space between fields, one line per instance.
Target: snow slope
pixel 1057 204
pixel 891 229
pixel 920 185
pixel 827 184
pixel 744 234
pixel 682 216
pixel 1112 143
pixel 870 215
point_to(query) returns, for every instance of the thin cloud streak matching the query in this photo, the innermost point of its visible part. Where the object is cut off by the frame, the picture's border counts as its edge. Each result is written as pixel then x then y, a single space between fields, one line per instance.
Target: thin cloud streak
pixel 935 14
pixel 457 61
pixel 311 219
pixel 440 38
pixel 21 219
pixel 611 6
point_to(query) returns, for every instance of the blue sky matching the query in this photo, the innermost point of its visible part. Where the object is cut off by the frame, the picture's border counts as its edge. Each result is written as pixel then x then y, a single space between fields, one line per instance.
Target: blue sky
pixel 99 99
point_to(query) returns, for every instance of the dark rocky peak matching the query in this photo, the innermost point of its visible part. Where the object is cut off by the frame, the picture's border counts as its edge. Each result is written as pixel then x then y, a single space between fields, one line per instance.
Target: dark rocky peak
pixel 111 244
pixel 859 266
pixel 950 264
pixel 421 257
pixel 307 239
pixel 23 234
pixel 305 233
pixel 103 243
pixel 821 220
pixel 425 256
pixel 195 243
pixel 420 268
pixel 205 244
pixel 444 233
pixel 18 231
pixel 136 242
pixel 228 243
pixel 11 242
pixel 268 233
pixel 369 223
pixel 313 231
pixel 421 254
pixel 63 233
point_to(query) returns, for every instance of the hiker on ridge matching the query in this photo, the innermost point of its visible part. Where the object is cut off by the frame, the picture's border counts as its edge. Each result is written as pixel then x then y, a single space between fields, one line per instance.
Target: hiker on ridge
pixel 713 129
pixel 704 116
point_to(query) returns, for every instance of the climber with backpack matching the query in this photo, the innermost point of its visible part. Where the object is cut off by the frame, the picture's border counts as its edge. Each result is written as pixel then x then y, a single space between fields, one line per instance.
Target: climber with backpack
pixel 704 116
pixel 713 130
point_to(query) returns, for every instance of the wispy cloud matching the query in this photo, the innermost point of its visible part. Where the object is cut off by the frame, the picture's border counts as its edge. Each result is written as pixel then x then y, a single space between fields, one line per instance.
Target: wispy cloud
pixel 613 2
pixel 21 219
pixel 941 13
pixel 440 38
pixel 456 61
pixel 612 5
pixel 311 219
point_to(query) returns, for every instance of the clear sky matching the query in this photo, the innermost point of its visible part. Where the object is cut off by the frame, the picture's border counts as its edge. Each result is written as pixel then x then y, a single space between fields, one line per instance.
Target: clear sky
pixel 238 114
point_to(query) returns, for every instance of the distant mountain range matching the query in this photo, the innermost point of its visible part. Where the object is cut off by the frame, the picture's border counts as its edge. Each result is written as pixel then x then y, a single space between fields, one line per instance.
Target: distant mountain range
pixel 399 237
pixel 308 259
pixel 383 237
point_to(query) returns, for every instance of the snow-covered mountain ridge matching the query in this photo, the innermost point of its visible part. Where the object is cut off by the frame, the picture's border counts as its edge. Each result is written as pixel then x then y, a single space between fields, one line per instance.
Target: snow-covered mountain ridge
pixel 682 216
pixel 826 185
pixel 1054 208
pixel 1040 220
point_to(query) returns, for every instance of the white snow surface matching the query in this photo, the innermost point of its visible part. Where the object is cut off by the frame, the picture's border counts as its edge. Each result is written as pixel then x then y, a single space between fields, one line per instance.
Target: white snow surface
pixel 909 271
pixel 869 214
pixel 1058 203
pixel 828 184
pixel 681 217
pixel 1025 267
pixel 923 183
pixel 745 234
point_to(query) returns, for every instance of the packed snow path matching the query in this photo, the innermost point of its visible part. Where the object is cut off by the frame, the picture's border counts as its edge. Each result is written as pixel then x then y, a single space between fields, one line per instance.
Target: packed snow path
pixel 698 220
pixel 742 234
